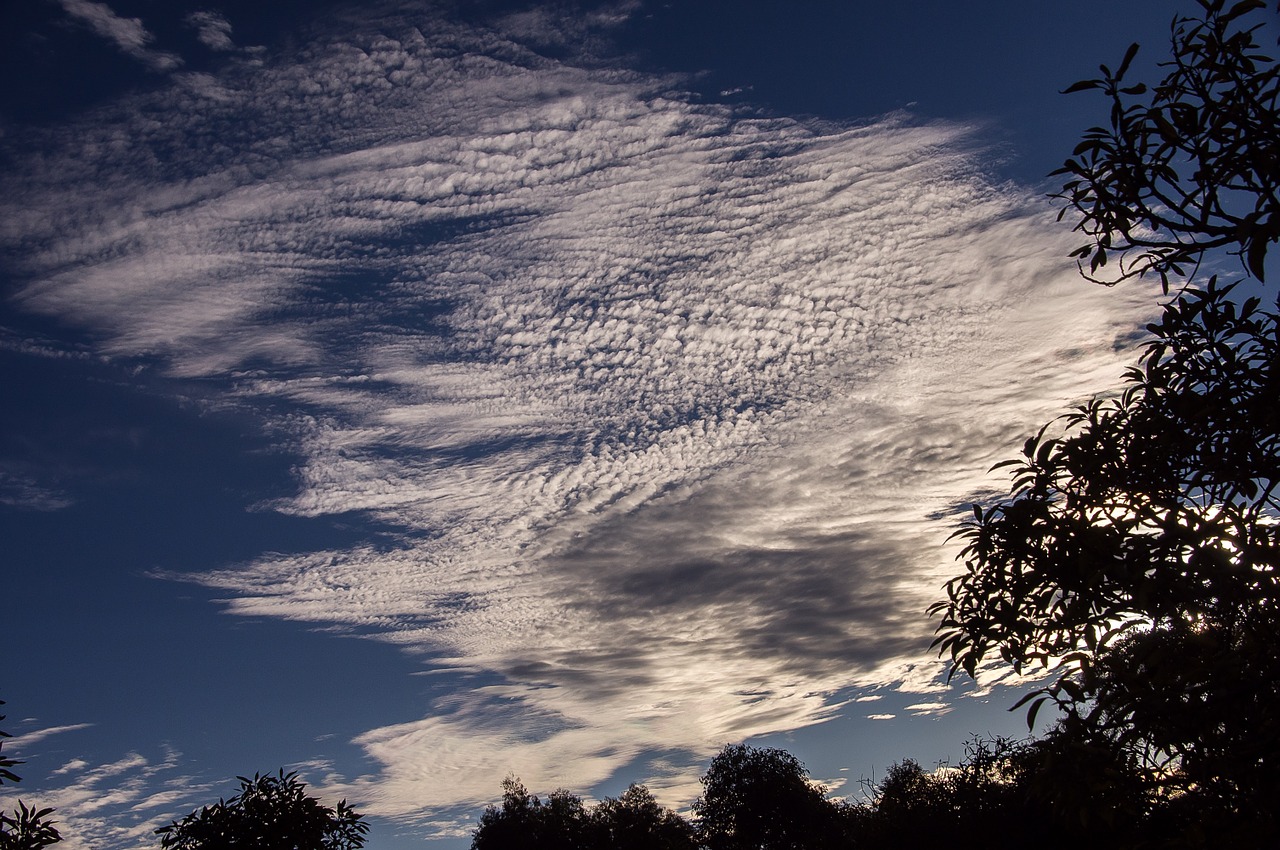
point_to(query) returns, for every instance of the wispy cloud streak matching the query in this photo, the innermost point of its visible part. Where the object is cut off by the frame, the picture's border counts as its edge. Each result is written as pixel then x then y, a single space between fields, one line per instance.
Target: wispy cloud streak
pixel 118 804
pixel 30 739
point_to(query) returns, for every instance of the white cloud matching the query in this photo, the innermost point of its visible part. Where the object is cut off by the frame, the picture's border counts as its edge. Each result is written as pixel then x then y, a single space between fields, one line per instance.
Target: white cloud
pixel 29 739
pixel 212 29
pixel 69 767
pixel 116 804
pixel 935 709
pixel 664 411
pixel 21 490
pixel 127 34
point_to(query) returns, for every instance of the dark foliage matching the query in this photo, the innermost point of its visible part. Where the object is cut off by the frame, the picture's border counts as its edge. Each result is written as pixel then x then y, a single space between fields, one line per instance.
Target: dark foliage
pixel 1002 793
pixel 7 775
pixel 1188 165
pixel 633 821
pixel 762 799
pixel 269 813
pixel 1154 509
pixel 753 798
pixel 1066 794
pixel 1139 552
pixel 25 828
pixel 525 821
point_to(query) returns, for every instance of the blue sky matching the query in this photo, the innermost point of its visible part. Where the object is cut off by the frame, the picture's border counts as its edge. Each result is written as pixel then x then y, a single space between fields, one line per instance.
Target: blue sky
pixel 413 394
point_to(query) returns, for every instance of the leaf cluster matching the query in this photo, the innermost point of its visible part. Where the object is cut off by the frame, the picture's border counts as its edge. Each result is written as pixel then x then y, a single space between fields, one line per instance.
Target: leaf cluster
pixel 1188 165
pixel 1155 507
pixel 1066 791
pixel 753 799
pixel 27 827
pixel 7 775
pixel 1138 551
pixel 1003 791
pixel 762 797
pixel 269 813
pixel 1139 555
pixel 633 821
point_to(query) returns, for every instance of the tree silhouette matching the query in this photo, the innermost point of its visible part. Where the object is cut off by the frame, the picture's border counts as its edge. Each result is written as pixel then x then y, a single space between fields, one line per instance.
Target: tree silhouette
pixel 1139 551
pixel 525 821
pixel 269 813
pixel 635 821
pixel 7 775
pixel 1188 165
pixel 25 828
pixel 1002 792
pixel 762 799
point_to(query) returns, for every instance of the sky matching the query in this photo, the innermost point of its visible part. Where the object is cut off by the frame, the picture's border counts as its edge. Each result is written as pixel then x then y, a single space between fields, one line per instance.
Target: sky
pixel 416 394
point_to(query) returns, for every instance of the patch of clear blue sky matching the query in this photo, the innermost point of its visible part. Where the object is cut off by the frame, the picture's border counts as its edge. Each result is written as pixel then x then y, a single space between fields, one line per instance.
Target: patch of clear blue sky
pixel 158 486
pixel 999 63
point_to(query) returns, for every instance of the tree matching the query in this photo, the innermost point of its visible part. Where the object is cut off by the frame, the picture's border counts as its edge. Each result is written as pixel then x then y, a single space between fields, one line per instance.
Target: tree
pixel 1139 551
pixel 762 799
pixel 269 813
pixel 524 821
pixel 635 821
pixel 25 828
pixel 1000 793
pixel 1140 554
pixel 1189 165
pixel 1155 508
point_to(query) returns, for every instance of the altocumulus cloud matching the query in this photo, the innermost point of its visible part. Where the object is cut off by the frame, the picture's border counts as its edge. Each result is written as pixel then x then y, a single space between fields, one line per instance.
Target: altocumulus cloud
pixel 662 409
pixel 117 804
